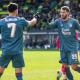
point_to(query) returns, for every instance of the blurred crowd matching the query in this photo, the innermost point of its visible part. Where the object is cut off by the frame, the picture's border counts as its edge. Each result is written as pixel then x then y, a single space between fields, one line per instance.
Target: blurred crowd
pixel 47 9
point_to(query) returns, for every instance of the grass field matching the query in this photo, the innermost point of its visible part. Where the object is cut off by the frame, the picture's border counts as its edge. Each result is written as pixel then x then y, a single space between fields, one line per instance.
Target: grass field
pixel 39 65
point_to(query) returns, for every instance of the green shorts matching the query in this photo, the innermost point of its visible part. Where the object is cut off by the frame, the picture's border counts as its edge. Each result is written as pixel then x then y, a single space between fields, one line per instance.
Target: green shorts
pixel 17 60
pixel 68 57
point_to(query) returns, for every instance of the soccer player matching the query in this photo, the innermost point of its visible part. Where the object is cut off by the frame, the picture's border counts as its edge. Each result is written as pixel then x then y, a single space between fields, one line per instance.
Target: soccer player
pixel 12 28
pixel 67 27
pixel 62 70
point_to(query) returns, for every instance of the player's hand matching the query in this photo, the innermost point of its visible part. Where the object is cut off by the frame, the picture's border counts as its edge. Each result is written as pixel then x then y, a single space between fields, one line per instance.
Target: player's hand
pixel 37 16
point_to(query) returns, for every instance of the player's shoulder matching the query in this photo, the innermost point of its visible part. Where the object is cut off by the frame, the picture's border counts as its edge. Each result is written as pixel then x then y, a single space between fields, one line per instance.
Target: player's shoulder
pixel 21 18
pixel 74 20
pixel 9 18
pixel 13 18
pixel 57 20
pixel 2 20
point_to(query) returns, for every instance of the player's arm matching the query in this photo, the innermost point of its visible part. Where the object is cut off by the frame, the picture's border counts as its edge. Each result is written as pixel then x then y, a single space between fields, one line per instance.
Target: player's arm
pixel 36 18
pixel 53 24
pixel 32 22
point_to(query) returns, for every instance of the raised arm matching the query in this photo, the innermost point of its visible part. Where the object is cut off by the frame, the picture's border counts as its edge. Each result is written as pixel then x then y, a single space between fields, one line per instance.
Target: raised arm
pixel 32 22
pixel 53 23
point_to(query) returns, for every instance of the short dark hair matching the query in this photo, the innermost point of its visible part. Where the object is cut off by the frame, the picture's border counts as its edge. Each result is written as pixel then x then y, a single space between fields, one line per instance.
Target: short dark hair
pixel 65 8
pixel 12 7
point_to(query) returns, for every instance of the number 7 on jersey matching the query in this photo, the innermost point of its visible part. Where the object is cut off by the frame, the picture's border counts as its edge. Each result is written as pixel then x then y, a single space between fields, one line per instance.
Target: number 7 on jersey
pixel 13 29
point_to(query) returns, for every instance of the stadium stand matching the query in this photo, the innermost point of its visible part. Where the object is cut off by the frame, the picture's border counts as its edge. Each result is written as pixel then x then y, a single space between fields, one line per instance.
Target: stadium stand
pixel 47 9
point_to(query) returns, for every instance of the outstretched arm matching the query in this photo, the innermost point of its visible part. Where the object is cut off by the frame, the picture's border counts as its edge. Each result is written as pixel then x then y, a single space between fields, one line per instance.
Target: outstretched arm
pixel 32 22
pixel 53 24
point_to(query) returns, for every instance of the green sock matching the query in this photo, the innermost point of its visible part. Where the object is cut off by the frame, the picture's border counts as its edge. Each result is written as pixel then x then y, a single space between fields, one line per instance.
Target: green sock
pixel 68 74
pixel 19 76
pixel 78 69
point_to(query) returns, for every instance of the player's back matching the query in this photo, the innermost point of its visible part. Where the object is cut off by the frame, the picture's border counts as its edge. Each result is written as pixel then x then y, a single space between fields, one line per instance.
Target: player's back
pixel 12 34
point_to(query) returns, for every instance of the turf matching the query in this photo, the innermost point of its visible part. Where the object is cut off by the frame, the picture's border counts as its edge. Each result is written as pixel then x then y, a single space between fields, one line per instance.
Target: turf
pixel 39 65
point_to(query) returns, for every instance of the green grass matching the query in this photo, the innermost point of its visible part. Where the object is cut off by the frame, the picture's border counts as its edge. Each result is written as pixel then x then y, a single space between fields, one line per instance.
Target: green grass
pixel 39 65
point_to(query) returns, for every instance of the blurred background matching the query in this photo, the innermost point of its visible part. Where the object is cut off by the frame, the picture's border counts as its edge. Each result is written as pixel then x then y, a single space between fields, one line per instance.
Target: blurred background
pixel 41 36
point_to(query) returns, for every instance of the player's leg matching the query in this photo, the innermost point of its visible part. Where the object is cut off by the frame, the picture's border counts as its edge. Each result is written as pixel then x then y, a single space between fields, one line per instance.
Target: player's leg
pixel 68 73
pixel 18 73
pixel 4 61
pixel 1 70
pixel 63 72
pixel 62 57
pixel 18 63
pixel 64 77
pixel 75 67
pixel 60 72
pixel 74 61
pixel 64 61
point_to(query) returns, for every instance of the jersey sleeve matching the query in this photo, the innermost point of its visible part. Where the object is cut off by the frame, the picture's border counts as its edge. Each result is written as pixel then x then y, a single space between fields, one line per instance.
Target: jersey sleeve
pixel 24 22
pixel 77 25
pixel 53 24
